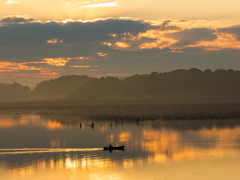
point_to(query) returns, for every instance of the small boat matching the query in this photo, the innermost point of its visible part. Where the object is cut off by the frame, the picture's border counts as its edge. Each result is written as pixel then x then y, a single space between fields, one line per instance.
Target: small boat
pixel 110 148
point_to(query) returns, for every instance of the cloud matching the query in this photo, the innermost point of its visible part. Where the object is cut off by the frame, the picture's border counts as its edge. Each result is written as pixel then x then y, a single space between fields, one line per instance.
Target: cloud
pixel 47 67
pixel 122 45
pixel 71 31
pixel 80 66
pixel 223 41
pixel 61 61
pixel 109 45
pixel 165 26
pixel 232 30
pixel 23 40
pixel 54 41
pixel 105 4
pixel 56 61
pixel 57 39
pixel 11 66
pixel 11 2
pixel 192 36
pixel 16 19
pixel 101 54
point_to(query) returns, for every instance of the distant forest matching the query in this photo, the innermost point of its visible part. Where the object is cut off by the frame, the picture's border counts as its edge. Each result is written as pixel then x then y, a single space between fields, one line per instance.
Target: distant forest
pixel 192 83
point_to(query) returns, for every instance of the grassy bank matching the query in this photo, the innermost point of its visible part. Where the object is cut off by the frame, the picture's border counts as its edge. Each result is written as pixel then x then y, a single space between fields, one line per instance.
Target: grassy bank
pixel 128 110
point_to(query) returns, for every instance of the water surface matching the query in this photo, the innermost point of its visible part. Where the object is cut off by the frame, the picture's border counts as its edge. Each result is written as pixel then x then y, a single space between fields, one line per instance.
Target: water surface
pixel 36 147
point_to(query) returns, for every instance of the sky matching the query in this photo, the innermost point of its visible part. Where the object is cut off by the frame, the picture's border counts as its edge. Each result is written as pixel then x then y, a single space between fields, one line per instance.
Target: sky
pixel 41 40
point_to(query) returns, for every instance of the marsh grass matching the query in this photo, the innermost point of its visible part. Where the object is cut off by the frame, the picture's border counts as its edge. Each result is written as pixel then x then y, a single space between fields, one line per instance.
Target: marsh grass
pixel 128 110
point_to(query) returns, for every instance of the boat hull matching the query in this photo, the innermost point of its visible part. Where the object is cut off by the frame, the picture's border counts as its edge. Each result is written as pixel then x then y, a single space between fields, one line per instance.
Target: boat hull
pixel 114 148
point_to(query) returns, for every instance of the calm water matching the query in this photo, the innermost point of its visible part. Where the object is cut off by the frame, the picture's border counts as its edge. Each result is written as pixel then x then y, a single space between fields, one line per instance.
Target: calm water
pixel 35 147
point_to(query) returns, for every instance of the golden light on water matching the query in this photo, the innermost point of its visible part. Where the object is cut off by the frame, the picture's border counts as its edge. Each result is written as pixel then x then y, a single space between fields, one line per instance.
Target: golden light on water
pixel 110 138
pixel 35 121
pixel 124 137
pixel 157 148
pixel 93 165
pixel 159 141
pixel 6 124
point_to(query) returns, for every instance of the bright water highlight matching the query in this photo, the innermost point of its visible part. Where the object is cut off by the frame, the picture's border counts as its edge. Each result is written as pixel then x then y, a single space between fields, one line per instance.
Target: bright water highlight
pixel 37 147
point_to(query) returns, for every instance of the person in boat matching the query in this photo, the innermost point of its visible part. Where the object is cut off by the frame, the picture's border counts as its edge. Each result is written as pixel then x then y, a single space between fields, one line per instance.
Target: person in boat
pixel 110 146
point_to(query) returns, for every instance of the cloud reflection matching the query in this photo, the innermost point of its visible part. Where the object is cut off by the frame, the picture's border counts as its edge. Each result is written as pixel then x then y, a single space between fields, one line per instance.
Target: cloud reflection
pixel 169 145
pixel 158 143
pixel 34 121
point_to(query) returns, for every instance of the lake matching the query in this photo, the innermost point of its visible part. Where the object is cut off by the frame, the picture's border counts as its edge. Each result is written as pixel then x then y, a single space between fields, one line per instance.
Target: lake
pixel 41 147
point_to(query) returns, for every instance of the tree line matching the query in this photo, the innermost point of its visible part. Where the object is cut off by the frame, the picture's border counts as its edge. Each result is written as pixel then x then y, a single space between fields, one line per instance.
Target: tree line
pixel 179 83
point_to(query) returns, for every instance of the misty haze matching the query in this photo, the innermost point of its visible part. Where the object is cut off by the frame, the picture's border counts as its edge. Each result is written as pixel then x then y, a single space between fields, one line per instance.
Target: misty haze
pixel 119 90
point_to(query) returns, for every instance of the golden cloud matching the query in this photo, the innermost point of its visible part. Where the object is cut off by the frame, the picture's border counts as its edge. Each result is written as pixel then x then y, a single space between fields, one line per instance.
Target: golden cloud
pixel 54 41
pixel 122 45
pixel 61 61
pixel 224 40
pixel 8 66
pixel 107 44
pixel 80 66
pixel 106 4
pixel 11 2
pixel 102 54
pixel 57 61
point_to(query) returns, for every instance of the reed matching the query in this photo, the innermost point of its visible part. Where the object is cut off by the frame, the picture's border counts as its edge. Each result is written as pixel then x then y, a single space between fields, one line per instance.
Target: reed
pixel 128 111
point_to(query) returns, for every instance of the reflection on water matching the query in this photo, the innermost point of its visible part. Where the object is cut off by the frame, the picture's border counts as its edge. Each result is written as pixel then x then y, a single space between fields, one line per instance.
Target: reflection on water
pixel 43 150
pixel 33 121
pixel 34 147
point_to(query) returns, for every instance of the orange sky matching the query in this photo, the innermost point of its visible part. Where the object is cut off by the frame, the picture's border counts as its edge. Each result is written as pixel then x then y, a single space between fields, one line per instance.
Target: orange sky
pixel 46 39
pixel 152 9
